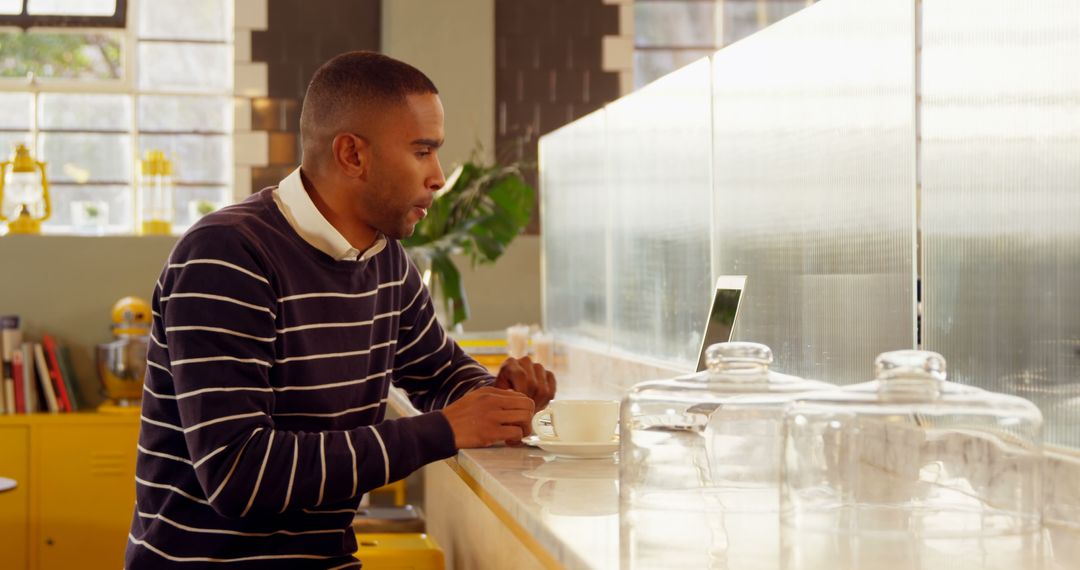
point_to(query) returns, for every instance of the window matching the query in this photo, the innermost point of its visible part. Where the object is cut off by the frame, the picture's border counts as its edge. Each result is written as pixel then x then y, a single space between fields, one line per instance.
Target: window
pixel 89 101
pixel 669 34
pixel 65 13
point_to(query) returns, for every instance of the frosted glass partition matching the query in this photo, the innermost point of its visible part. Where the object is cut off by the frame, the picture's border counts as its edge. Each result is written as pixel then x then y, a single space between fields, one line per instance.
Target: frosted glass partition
pixel 575 212
pixel 659 176
pixel 815 184
pixel 1001 199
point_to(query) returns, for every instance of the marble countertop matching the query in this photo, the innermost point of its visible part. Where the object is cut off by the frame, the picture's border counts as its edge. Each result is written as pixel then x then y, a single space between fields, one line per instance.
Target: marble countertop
pixel 571 506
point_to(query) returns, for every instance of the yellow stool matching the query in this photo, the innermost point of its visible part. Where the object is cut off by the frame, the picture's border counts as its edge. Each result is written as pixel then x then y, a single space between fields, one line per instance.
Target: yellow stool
pixel 399 551
pixel 397 488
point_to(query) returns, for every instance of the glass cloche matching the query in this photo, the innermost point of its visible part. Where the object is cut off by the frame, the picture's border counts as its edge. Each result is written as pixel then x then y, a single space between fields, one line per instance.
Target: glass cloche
pixel 911 472
pixel 699 462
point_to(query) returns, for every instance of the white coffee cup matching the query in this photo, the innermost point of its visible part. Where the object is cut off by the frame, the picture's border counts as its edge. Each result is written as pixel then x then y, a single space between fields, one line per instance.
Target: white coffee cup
pixel 578 421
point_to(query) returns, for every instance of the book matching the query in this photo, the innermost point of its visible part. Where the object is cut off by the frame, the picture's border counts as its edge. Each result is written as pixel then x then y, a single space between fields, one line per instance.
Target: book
pixel 44 380
pixel 17 376
pixel 67 372
pixel 29 379
pixel 48 344
pixel 10 338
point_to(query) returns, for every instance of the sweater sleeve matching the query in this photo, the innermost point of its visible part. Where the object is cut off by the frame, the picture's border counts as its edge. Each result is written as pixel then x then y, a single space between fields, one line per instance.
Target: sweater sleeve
pixel 216 310
pixel 429 366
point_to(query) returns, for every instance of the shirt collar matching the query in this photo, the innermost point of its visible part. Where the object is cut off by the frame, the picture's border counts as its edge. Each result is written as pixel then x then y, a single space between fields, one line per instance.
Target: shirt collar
pixel 295 204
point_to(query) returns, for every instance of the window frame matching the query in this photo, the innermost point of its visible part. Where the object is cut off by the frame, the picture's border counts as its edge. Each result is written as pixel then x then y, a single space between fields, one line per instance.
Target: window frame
pixel 127 85
pixel 25 20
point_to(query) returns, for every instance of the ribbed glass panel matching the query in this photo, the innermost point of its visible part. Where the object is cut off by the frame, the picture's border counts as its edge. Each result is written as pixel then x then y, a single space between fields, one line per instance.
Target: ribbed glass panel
pixel 1001 199
pixel 814 184
pixel 659 171
pixel 575 212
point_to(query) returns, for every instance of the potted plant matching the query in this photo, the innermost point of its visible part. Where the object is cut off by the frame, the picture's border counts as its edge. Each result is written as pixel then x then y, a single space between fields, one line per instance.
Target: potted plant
pixel 479 211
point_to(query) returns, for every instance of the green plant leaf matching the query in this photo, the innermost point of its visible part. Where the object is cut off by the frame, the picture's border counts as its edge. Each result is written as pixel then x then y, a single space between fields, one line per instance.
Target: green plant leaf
pixel 484 210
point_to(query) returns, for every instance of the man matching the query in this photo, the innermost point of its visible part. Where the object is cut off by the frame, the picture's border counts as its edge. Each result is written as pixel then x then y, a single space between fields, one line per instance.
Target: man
pixel 279 325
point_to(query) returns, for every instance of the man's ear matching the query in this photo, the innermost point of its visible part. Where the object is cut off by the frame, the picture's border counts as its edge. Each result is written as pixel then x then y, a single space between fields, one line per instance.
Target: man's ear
pixel 352 154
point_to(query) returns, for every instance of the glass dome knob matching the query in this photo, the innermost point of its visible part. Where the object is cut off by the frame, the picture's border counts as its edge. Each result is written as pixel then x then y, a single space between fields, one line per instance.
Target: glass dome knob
pixel 910 365
pixel 737 355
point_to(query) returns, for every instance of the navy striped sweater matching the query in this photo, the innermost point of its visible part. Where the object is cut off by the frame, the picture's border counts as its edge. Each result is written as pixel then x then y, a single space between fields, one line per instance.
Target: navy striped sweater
pixel 263 412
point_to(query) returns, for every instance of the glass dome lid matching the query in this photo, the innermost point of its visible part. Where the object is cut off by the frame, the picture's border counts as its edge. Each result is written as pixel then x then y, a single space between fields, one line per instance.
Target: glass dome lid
pixel 917 379
pixel 949 474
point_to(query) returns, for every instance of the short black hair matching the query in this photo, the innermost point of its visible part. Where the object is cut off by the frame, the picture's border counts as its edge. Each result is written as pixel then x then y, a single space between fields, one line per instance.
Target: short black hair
pixel 351 85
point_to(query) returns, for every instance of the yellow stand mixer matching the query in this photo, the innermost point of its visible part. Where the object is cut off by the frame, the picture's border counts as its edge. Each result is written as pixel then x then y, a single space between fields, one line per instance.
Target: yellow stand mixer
pixel 121 363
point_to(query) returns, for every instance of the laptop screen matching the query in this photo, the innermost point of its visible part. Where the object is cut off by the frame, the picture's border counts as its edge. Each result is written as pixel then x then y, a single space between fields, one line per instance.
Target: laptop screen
pixel 722 313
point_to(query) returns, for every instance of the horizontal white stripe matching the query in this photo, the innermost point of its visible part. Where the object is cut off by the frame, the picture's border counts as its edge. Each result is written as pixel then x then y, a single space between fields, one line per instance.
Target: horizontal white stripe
pixel 221 263
pixel 164 455
pixel 147 389
pixel 428 355
pixel 415 297
pixel 334 325
pixel 333 414
pixel 158 342
pixel 428 377
pixel 155 313
pixel 169 521
pixel 418 338
pixel 207 457
pixel 158 366
pixel 332 384
pixel 176 490
pixel 201 391
pixel 168 556
pixel 219 298
pixel 338 511
pixel 342 295
pixel 221 330
pixel 190 429
pixel 162 424
pixel 334 354
pixel 220 358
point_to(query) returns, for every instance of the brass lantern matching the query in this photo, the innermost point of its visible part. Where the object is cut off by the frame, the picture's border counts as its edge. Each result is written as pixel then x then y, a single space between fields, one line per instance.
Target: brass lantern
pixel 154 199
pixel 23 183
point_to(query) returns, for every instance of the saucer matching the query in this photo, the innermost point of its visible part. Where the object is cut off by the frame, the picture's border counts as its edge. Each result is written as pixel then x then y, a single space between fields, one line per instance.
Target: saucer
pixel 578 450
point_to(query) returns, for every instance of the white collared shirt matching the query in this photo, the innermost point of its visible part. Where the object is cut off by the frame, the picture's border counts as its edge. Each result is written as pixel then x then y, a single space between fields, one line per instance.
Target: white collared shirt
pixel 295 204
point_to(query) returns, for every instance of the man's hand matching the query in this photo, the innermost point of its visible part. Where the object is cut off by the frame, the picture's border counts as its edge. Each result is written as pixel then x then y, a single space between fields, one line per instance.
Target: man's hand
pixel 529 378
pixel 487 415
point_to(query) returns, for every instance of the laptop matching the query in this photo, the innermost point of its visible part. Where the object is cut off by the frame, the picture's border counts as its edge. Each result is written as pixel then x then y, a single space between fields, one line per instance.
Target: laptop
pixel 723 313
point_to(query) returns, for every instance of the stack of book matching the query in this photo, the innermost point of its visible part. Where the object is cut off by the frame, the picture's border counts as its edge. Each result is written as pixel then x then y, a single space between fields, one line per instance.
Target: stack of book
pixel 37 376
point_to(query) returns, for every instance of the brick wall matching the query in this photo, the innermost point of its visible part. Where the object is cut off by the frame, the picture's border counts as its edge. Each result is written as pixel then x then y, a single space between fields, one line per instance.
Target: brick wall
pixel 300 36
pixel 549 70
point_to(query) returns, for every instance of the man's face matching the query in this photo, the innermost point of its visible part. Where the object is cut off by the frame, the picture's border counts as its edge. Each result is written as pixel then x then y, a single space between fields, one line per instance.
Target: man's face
pixel 404 170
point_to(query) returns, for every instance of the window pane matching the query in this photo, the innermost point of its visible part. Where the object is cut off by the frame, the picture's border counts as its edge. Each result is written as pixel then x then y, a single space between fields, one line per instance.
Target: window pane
pixel 185 114
pixel 71 7
pixel 184 20
pixel 81 157
pixel 10 6
pixel 15 110
pixel 90 209
pixel 8 141
pixel 81 55
pixel 184 67
pixel 675 24
pixel 193 202
pixel 196 158
pixel 650 65
pixel 85 112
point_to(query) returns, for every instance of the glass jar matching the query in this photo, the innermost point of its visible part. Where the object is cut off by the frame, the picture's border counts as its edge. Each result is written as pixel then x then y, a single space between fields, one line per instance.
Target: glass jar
pixel 699 462
pixel 910 471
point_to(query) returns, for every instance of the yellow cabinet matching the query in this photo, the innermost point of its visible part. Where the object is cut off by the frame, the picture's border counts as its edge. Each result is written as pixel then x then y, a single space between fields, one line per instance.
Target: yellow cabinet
pixel 76 493
pixel 14 504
